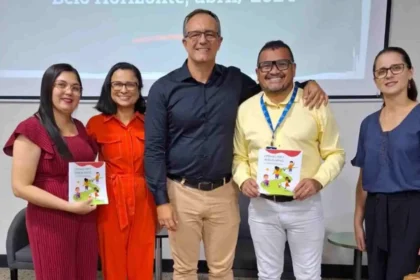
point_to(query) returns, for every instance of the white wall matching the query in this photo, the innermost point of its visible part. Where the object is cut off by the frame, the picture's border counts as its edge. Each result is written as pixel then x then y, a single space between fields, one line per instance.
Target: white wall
pixel 338 198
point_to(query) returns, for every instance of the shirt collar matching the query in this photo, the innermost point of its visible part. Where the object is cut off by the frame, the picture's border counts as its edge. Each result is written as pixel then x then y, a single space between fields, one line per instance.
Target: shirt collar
pixel 268 102
pixel 136 115
pixel 182 74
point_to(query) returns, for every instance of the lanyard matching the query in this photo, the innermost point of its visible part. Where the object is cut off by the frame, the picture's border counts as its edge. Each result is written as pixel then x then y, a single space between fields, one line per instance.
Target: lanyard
pixel 283 115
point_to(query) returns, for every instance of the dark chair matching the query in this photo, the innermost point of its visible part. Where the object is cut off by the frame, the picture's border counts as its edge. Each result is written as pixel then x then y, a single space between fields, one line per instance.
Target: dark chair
pixel 19 253
pixel 245 263
pixel 158 253
pixel 17 245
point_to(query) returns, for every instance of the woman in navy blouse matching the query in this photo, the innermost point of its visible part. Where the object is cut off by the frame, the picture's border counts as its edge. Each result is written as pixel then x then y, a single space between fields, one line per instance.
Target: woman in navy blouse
pixel 388 189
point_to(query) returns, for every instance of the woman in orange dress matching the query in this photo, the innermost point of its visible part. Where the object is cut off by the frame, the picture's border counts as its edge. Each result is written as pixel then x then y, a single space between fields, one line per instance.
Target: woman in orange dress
pixel 127 225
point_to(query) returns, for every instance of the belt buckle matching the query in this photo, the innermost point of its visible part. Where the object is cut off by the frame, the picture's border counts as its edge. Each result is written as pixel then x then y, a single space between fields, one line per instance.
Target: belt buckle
pixel 205 183
pixel 275 198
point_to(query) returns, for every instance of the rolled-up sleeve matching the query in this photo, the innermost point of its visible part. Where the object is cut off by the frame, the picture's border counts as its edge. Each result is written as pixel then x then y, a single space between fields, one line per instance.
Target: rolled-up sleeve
pixel 156 137
pixel 330 148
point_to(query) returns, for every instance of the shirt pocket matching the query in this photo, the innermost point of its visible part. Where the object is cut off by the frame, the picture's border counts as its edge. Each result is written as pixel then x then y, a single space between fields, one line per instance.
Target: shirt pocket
pixel 111 147
pixel 297 130
pixel 138 145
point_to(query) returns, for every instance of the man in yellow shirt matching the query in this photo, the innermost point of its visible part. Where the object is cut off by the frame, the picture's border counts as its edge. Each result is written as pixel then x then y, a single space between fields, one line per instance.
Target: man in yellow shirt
pixel 276 119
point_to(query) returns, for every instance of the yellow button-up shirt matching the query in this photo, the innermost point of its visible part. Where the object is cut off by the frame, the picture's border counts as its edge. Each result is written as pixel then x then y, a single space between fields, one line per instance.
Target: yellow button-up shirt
pixel 315 132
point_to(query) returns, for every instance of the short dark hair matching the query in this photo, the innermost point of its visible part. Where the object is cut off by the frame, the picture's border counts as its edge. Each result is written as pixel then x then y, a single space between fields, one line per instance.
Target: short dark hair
pixel 412 90
pixel 197 12
pixel 105 103
pixel 45 111
pixel 274 45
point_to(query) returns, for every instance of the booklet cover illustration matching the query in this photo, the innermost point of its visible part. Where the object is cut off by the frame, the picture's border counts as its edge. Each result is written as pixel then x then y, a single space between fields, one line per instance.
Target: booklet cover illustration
pixel 278 171
pixel 87 180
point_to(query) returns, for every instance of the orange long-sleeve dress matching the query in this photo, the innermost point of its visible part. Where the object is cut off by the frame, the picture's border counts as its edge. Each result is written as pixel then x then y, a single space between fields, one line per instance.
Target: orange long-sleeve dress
pixel 127 225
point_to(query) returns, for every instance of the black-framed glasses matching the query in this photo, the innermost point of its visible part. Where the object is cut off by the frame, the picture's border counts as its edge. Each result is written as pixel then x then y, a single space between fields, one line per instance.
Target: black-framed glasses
pixel 383 72
pixel 130 86
pixel 267 66
pixel 208 35
pixel 75 88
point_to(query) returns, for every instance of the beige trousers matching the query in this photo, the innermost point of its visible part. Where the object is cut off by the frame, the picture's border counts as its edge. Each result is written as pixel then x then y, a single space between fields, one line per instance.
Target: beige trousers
pixel 209 216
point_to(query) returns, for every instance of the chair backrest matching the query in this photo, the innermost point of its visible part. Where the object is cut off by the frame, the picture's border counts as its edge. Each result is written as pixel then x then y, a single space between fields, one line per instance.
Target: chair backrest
pixel 17 236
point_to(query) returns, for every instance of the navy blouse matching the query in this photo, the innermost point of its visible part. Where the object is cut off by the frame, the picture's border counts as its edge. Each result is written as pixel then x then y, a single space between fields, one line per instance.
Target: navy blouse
pixel 390 160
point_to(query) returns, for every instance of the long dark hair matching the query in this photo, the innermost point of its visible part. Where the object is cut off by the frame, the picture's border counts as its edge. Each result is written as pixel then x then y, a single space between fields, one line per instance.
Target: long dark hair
pixel 45 111
pixel 412 89
pixel 105 103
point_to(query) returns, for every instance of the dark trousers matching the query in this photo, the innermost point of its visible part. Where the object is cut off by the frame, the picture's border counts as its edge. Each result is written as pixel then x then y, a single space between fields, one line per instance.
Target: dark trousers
pixel 392 224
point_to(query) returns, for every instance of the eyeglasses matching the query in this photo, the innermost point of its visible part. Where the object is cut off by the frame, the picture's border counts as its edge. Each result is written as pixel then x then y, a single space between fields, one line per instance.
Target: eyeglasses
pixel 208 35
pixel 130 86
pixel 76 89
pixel 267 66
pixel 383 72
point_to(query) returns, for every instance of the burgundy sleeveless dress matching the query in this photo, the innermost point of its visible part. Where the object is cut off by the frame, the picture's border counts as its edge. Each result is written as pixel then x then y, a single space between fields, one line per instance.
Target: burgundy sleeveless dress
pixel 64 245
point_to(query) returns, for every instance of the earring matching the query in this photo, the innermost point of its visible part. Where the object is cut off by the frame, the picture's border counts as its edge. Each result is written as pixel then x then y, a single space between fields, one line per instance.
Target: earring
pixel 409 84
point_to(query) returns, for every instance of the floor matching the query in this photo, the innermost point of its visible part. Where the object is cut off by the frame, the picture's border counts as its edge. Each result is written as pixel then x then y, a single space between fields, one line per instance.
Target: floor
pixel 29 275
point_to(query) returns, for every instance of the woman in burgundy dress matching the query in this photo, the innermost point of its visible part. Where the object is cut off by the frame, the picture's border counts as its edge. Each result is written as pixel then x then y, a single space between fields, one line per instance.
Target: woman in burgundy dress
pixel 62 235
